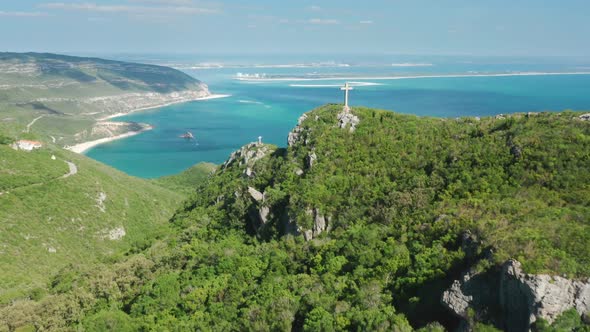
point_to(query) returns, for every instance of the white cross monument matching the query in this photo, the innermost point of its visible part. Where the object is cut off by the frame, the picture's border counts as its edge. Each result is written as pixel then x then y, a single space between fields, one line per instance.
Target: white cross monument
pixel 346 88
pixel 259 140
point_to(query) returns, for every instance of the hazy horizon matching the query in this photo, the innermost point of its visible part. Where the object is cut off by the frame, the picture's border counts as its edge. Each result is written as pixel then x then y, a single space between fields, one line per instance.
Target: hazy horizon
pixel 420 27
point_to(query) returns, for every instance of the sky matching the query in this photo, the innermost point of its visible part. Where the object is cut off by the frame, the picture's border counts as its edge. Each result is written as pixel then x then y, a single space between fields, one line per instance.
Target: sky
pixel 427 27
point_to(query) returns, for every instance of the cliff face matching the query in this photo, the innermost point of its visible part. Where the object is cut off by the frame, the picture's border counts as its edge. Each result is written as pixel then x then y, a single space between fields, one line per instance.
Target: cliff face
pixel 513 299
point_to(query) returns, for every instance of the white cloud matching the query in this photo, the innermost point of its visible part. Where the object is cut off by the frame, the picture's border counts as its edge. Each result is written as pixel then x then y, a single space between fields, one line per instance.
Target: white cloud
pixel 323 21
pixel 138 10
pixel 315 8
pixel 366 22
pixel 22 14
pixel 165 2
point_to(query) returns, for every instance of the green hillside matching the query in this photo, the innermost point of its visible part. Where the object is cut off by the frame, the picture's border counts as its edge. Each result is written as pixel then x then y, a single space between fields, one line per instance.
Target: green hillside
pixel 187 180
pixel 348 229
pixel 49 221
pixel 62 98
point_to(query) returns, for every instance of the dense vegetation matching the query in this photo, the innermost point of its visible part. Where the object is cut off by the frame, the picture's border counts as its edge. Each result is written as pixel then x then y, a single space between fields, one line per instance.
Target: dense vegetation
pixel 409 202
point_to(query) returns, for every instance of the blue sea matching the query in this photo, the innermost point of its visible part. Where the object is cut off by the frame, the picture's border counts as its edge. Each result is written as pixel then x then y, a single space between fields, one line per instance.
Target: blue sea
pixel 270 108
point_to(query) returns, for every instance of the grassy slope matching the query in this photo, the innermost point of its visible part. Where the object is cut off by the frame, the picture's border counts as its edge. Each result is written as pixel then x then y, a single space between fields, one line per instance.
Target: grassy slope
pixel 64 214
pixel 187 180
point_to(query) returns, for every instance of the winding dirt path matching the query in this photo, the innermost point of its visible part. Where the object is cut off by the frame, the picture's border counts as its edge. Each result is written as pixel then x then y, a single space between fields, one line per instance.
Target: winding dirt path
pixel 73 169
pixel 32 123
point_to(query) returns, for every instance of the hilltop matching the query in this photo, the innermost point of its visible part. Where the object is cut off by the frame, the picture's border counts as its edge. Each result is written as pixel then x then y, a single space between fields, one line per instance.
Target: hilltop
pixel 66 99
pixel 369 220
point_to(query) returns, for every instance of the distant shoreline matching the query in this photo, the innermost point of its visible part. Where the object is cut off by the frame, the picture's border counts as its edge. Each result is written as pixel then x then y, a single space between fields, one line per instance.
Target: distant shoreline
pixel 116 115
pixel 85 146
pixel 335 78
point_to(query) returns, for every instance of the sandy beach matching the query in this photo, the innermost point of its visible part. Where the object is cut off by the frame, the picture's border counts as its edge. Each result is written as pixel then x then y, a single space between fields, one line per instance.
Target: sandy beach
pixel 83 147
pixel 336 78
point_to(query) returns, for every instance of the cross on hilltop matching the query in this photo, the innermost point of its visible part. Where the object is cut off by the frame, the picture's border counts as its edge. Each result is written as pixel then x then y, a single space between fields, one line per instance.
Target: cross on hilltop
pixel 346 88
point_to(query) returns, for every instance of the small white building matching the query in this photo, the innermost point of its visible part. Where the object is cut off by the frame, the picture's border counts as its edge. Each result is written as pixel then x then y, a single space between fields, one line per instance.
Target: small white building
pixel 26 145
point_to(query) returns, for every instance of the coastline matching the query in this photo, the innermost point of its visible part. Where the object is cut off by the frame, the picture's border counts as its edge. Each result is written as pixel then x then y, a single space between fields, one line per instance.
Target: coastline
pixel 85 146
pixel 116 115
pixel 303 79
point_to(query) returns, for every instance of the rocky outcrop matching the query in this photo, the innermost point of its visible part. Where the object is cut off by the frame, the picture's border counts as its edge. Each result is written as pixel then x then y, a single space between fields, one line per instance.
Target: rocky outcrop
pixel 259 212
pixel 346 118
pixel 547 296
pixel 257 195
pixel 297 133
pixel 247 155
pixel 321 224
pixel 512 299
pixel 584 117
pixel 310 160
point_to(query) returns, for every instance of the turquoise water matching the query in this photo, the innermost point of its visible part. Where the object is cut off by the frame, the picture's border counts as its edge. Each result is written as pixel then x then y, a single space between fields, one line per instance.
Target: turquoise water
pixel 271 109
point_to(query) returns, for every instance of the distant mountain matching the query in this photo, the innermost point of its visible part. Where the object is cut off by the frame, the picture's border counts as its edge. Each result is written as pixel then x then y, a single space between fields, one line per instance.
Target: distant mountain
pixel 367 221
pixel 69 95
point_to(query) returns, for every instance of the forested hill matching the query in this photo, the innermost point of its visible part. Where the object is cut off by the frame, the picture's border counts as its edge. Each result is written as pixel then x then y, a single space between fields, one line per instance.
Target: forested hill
pixel 61 97
pixel 366 221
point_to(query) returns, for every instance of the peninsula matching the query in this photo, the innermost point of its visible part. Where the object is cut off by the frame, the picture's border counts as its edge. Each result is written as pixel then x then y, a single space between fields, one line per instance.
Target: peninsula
pixel 67 99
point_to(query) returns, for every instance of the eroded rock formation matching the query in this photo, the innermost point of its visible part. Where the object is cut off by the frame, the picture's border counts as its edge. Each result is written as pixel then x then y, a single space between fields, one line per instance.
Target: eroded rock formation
pixel 512 299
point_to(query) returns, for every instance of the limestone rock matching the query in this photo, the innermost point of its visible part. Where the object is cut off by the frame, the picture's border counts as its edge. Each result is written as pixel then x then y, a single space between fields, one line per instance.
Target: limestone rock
pixel 513 299
pixel 311 159
pixel 116 233
pixel 100 201
pixel 320 225
pixel 257 195
pixel 548 296
pixel 346 118
pixel 247 155
pixel 308 235
pixel 249 172
pixel 296 134
pixel 264 211
pixel 455 300
pixel 584 117
pixel 259 213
